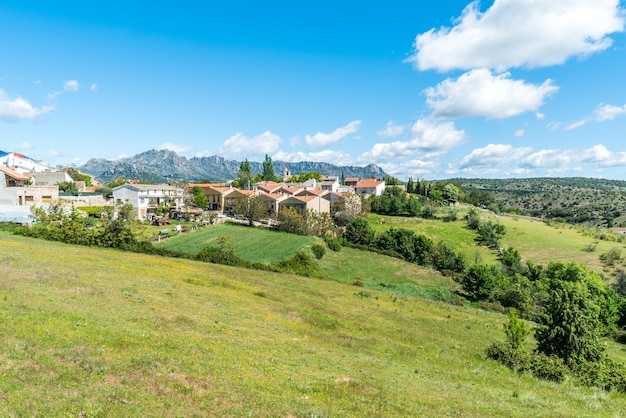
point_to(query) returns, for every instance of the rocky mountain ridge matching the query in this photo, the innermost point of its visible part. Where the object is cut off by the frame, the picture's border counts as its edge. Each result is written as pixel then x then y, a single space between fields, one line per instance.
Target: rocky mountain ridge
pixel 157 166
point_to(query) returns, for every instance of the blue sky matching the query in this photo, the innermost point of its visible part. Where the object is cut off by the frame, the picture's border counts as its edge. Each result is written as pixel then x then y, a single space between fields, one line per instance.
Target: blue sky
pixel 506 88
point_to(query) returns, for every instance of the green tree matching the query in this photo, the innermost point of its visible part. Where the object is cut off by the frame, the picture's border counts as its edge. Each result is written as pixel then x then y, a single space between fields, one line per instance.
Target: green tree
pixel 244 176
pixel 306 175
pixel 348 208
pixel 479 281
pixel 198 198
pixel 268 169
pixel 117 182
pixel 253 207
pixel 410 186
pixel 516 330
pixel 490 234
pixel 68 187
pixel 359 231
pixel 451 192
pixel 78 176
pixel 291 221
pixel 473 219
pixel 570 326
pixel 117 231
pixel 105 191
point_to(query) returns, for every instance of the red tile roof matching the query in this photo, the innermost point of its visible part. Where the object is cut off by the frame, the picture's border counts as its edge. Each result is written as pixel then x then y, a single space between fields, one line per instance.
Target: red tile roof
pixel 367 183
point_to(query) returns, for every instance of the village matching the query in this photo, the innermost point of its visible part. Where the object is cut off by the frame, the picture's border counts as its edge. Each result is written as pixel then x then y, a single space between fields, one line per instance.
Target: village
pixel 26 184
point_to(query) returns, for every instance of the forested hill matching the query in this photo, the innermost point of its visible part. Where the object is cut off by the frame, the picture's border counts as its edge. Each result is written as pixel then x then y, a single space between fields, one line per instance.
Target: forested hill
pixel 592 201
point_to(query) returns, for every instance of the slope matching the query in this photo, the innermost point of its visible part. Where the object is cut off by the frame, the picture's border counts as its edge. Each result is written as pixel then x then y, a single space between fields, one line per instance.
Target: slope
pixel 93 332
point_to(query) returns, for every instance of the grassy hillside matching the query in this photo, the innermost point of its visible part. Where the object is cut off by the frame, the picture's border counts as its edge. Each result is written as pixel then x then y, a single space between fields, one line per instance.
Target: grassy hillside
pixel 455 233
pixel 94 332
pixel 252 244
pixel 543 243
pixel 535 240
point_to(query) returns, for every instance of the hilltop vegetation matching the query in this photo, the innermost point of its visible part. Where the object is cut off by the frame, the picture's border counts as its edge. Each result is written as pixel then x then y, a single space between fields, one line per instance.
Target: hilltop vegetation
pixel 593 202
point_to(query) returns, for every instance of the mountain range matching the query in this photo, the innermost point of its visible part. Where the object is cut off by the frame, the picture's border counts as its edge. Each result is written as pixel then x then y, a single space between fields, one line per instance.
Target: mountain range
pixel 158 166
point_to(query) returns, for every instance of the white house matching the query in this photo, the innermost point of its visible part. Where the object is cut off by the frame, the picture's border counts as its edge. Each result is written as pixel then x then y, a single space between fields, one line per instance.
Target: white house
pixel 330 184
pixel 146 198
pixel 370 187
pixel 23 164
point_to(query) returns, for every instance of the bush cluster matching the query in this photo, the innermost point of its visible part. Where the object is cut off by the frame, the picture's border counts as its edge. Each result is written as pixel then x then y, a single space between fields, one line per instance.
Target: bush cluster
pixel 406 245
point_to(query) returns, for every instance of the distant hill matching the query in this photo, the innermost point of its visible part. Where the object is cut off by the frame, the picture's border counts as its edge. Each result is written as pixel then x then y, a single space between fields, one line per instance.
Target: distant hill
pixel 158 166
pixel 590 201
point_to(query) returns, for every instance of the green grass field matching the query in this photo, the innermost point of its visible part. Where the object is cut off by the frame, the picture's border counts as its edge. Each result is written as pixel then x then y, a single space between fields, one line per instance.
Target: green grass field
pixel 252 244
pixel 535 240
pixel 375 271
pixel 455 234
pixel 102 333
pixel 543 243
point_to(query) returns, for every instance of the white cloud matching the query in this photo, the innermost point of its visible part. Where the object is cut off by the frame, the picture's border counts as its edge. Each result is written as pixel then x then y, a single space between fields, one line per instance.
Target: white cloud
pixel 333 157
pixel 71 85
pixel 178 149
pixel 413 168
pixel 603 113
pixel 53 153
pixel 520 133
pixel 321 139
pixel 608 112
pixel 576 125
pixel 481 93
pixel 392 130
pixel 93 87
pixel 519 33
pixel 494 155
pixel 240 146
pixel 19 108
pixel 24 146
pixel 600 155
pixel 427 138
pixel 507 160
pixel 68 87
pixel 549 158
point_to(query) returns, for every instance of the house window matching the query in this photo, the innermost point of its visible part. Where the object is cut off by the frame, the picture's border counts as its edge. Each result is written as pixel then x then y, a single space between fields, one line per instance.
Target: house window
pixel 46 199
pixel 29 199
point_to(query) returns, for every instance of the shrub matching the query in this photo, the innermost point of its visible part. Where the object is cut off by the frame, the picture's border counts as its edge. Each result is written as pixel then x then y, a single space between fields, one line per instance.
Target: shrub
pixel 570 328
pixel 333 243
pixel 507 355
pixel 318 251
pixel 545 367
pixel 359 231
pixel 215 255
pixel 611 257
pixel 538 364
pixel 516 330
pixel 479 281
pixel 444 258
pixel 300 263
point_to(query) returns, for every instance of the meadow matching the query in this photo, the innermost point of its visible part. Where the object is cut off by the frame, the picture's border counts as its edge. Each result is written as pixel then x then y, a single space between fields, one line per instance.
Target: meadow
pixel 99 332
pixel 535 240
pixel 252 244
